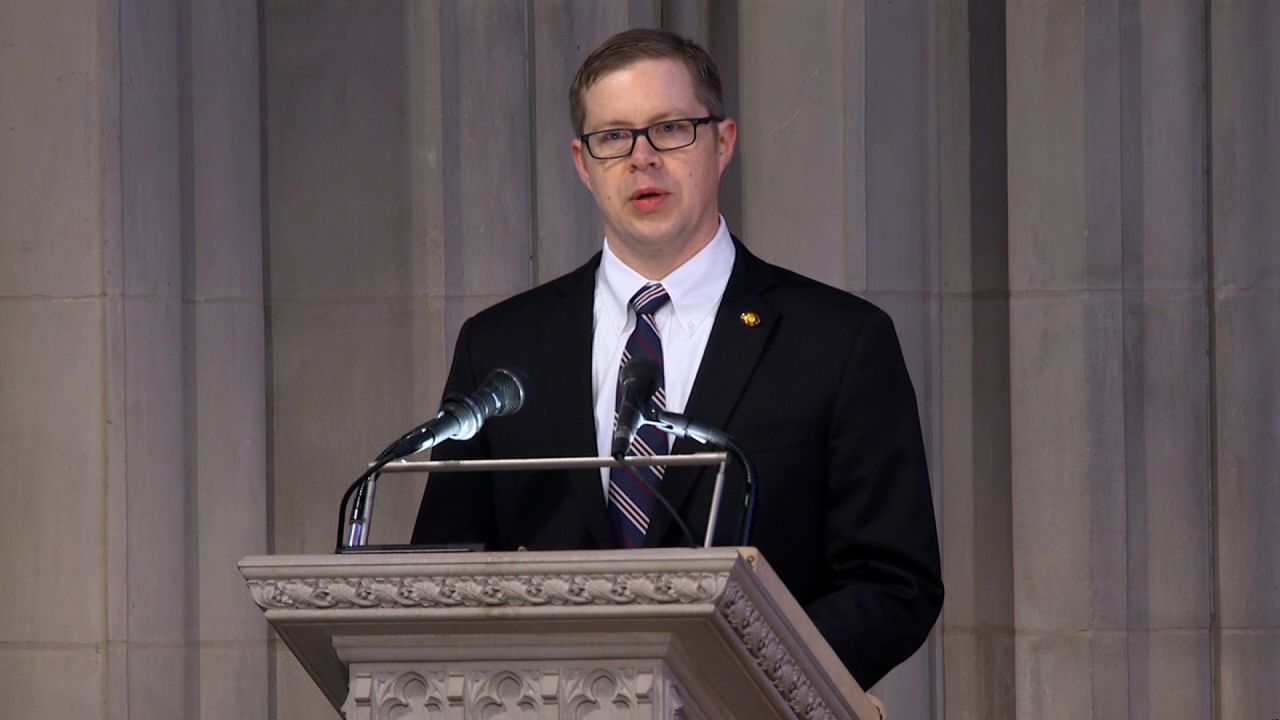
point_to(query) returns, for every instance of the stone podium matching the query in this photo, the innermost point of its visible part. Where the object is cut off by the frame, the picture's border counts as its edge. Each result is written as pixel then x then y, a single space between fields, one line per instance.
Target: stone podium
pixel 663 633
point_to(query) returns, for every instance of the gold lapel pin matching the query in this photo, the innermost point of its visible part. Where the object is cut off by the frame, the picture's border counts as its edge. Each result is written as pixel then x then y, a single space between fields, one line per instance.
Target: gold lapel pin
pixel 749 319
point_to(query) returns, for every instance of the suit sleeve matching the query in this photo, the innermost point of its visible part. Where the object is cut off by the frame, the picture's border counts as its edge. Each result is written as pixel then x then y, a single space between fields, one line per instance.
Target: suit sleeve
pixel 881 547
pixel 458 507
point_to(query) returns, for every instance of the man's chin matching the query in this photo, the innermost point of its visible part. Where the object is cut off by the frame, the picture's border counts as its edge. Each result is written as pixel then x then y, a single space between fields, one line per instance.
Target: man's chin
pixel 651 240
pixel 658 228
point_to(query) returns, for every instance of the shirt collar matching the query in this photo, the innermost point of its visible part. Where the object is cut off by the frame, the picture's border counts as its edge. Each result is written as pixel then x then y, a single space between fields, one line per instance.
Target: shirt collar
pixel 695 287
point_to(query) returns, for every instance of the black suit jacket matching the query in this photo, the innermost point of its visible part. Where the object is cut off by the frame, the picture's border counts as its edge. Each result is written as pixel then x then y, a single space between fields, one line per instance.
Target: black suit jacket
pixel 817 394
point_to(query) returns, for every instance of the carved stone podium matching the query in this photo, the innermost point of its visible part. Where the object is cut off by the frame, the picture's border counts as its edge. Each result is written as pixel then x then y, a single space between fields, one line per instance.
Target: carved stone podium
pixel 669 633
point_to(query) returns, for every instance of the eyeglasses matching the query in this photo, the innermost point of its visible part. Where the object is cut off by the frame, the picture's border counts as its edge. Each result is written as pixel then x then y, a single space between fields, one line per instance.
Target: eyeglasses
pixel 666 135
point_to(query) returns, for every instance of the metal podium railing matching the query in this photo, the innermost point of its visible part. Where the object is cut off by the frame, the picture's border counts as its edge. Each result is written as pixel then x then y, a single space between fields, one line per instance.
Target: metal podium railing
pixel 356 530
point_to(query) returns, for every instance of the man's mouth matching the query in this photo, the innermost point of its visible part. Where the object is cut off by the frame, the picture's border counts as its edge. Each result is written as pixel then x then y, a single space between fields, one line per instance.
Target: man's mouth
pixel 646 199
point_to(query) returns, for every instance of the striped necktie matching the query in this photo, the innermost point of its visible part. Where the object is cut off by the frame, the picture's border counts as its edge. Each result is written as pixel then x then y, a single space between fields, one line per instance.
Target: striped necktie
pixel 630 502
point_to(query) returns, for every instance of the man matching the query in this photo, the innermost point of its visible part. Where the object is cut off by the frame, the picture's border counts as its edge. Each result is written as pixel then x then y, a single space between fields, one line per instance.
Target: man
pixel 809 379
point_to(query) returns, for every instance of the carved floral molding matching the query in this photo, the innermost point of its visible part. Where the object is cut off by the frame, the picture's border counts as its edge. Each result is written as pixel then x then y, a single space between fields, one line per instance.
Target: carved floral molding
pixel 596 693
pixel 487 591
pixel 772 656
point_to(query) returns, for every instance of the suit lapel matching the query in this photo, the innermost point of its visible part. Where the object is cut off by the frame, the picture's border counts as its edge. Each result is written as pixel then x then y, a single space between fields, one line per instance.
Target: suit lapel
pixel 732 353
pixel 565 337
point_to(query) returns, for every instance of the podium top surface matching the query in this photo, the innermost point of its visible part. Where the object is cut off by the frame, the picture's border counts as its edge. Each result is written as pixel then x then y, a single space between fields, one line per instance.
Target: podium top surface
pixel 522 562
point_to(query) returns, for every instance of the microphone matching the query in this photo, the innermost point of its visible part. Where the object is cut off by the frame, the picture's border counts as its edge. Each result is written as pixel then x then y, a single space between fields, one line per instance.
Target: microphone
pixel 681 426
pixel 639 380
pixel 460 416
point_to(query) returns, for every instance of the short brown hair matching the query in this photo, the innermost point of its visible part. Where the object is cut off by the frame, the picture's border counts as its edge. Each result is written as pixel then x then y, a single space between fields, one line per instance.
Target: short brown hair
pixel 631 46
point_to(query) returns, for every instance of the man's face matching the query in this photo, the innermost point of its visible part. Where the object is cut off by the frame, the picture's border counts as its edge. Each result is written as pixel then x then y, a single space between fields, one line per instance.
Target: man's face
pixel 659 208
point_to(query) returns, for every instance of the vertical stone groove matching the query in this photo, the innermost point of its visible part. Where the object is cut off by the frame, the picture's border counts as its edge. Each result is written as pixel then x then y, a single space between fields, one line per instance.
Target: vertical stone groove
pixel 1211 285
pixel 531 109
pixel 188 290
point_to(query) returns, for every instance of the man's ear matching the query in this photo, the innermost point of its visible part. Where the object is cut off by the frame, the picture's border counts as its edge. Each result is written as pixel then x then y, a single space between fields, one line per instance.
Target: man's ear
pixel 726 141
pixel 579 162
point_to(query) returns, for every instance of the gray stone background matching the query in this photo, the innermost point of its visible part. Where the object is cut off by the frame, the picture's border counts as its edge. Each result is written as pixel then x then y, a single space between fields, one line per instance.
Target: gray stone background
pixel 237 240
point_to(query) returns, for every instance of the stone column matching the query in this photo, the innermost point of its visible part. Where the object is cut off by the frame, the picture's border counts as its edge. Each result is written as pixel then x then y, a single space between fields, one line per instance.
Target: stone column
pixel 149 513
pixel 1244 59
pixel 975 492
pixel 133 412
pixel 61 430
pixel 1109 340
pixel 224 354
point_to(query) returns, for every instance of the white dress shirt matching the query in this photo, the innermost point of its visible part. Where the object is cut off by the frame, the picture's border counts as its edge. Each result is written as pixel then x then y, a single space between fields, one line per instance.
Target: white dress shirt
pixel 684 324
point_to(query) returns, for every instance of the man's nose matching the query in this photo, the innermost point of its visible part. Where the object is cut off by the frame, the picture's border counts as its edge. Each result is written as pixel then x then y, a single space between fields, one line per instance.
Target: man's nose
pixel 644 153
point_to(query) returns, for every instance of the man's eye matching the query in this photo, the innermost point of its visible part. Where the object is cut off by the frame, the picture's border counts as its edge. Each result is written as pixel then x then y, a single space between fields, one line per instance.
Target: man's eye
pixel 667 128
pixel 615 135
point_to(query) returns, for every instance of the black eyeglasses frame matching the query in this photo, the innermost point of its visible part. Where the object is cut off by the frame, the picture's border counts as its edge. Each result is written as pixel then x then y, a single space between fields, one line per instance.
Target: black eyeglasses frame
pixel 637 133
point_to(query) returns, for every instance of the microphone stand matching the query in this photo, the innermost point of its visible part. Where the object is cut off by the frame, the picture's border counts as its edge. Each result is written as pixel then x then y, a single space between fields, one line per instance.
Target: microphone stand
pixel 361 508
pixel 358 525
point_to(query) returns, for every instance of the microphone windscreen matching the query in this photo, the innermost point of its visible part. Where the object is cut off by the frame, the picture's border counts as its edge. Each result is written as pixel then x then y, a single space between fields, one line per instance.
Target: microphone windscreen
pixel 507 388
pixel 640 372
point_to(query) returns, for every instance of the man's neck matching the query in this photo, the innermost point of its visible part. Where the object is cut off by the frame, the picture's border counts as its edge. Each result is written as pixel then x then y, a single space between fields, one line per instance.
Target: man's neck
pixel 659 262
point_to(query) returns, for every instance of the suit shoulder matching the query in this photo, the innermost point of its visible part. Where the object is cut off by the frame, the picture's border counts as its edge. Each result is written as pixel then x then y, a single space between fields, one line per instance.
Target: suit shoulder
pixel 525 306
pixel 791 290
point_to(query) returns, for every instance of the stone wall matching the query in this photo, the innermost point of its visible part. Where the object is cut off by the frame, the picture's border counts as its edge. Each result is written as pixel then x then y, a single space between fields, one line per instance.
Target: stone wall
pixel 237 240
